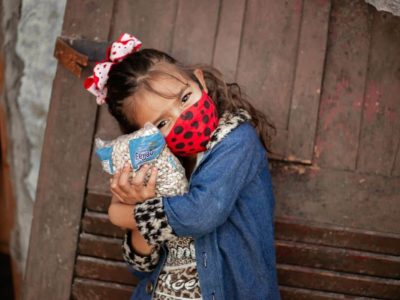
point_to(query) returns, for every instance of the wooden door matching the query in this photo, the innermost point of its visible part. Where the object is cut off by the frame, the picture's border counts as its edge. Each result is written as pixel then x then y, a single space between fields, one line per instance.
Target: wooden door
pixel 277 51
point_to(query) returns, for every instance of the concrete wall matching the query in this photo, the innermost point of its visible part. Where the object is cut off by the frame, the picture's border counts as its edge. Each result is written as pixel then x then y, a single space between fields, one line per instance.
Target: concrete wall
pixel 392 6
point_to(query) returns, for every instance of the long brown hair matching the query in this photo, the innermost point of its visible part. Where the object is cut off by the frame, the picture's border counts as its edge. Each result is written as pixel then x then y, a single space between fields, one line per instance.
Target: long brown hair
pixel 140 68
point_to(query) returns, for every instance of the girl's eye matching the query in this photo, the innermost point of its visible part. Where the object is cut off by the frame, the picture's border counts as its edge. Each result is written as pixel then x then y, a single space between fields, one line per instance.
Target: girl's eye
pixel 161 124
pixel 186 97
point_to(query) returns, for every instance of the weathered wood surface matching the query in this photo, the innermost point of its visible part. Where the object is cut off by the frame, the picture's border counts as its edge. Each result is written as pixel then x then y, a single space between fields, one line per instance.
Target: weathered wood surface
pixel 98 223
pixel 341 103
pixel 228 37
pixel 380 132
pixel 300 230
pixel 151 21
pixel 104 270
pixel 100 246
pixel 338 282
pixel 315 260
pixel 338 259
pixel 291 293
pixel 87 289
pixel 285 55
pixel 307 88
pixel 196 24
pixel 359 122
pixel 341 197
pixel 64 166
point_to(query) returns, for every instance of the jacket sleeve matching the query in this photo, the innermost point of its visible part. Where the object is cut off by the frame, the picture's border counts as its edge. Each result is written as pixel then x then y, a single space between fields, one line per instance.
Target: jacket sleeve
pixel 214 189
pixel 139 265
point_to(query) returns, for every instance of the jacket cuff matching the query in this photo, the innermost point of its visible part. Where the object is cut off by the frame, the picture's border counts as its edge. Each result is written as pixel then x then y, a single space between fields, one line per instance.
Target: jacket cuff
pixel 152 222
pixel 143 263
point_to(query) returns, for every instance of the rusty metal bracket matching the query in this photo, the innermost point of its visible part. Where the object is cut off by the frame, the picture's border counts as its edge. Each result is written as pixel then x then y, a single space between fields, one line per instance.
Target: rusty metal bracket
pixel 75 54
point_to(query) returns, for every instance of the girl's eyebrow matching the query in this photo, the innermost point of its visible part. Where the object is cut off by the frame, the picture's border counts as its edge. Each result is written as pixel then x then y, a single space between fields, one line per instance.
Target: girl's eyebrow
pixel 180 96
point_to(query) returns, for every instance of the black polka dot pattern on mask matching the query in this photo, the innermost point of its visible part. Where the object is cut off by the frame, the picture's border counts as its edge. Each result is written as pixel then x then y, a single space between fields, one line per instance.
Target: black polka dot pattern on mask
pixel 180 145
pixel 178 129
pixel 187 116
pixel 188 135
pixel 205 119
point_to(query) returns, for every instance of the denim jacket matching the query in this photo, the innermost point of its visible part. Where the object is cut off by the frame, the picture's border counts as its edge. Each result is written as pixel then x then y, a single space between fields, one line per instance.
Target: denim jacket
pixel 228 211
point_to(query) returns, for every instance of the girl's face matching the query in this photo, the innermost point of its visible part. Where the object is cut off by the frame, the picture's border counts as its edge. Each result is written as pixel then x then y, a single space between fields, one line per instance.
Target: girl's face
pixel 145 106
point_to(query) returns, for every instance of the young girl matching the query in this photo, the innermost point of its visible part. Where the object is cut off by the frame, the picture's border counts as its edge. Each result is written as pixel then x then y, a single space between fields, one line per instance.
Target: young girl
pixel 217 240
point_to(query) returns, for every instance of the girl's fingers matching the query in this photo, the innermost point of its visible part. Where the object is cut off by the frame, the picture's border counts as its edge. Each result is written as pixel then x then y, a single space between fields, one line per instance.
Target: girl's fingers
pixel 115 177
pixel 151 184
pixel 114 180
pixel 123 179
pixel 114 190
pixel 114 185
pixel 139 178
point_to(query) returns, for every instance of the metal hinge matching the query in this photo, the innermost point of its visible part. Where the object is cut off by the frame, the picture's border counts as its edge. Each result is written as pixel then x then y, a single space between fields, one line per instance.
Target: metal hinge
pixel 76 54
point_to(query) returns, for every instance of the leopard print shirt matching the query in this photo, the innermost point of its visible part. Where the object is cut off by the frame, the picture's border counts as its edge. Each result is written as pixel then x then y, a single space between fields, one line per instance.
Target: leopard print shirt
pixel 178 278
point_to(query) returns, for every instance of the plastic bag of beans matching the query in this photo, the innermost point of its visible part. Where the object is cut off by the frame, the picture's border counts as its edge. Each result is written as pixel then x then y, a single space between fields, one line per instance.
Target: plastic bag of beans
pixel 146 145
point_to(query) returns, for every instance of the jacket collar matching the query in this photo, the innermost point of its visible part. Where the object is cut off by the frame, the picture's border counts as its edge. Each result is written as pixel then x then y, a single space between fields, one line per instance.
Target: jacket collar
pixel 226 123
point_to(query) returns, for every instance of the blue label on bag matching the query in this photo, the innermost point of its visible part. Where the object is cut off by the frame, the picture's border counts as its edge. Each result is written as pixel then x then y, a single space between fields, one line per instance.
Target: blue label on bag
pixel 105 155
pixel 144 149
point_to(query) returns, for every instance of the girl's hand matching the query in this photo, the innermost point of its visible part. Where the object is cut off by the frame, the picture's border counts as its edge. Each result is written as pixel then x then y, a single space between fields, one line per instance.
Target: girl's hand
pixel 134 191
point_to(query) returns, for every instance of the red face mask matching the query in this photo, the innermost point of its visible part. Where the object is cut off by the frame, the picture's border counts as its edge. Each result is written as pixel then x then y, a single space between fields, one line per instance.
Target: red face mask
pixel 192 130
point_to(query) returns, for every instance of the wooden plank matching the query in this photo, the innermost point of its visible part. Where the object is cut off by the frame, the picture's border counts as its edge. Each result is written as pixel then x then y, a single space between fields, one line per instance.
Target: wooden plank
pixel 98 223
pixel 226 53
pixel 396 165
pixel 308 79
pixel 151 21
pixel 338 259
pixel 97 202
pixel 267 60
pixel 64 166
pixel 341 101
pixel 88 19
pixel 379 140
pixel 195 28
pixel 99 246
pixel 227 41
pixel 268 54
pixel 342 197
pixel 86 289
pixel 293 229
pixel 104 270
pixel 290 293
pixel 346 283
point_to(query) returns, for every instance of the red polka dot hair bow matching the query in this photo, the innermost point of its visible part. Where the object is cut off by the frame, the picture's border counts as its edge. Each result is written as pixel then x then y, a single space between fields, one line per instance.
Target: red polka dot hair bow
pixel 118 50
